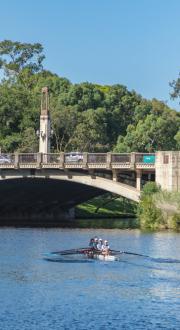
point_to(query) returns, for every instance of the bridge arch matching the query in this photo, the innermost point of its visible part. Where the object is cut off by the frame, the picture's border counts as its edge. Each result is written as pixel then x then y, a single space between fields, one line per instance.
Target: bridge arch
pixel 94 181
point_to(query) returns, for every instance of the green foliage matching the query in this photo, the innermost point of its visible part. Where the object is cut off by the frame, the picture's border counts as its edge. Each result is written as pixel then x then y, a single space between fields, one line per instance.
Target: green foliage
pixel 158 209
pixel 149 189
pixel 29 141
pixel 175 84
pixel 175 221
pixel 177 138
pixel 16 56
pixel 157 131
pixel 149 215
pixel 85 117
pixel 107 205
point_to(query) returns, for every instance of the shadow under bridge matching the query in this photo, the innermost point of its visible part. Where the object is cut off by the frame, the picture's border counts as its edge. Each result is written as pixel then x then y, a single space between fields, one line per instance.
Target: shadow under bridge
pixel 31 200
pixel 36 195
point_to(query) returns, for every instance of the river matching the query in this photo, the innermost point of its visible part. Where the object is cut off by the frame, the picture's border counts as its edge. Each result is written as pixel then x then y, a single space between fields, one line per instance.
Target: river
pixel 134 293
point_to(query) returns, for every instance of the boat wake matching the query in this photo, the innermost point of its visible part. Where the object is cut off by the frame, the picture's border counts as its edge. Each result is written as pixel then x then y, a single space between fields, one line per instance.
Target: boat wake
pixel 165 260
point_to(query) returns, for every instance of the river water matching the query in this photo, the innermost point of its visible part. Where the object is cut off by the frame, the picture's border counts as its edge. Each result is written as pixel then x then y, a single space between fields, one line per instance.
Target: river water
pixel 134 293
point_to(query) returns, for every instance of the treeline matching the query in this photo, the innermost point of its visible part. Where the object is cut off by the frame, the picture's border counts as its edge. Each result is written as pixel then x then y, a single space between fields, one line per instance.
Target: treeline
pixel 85 117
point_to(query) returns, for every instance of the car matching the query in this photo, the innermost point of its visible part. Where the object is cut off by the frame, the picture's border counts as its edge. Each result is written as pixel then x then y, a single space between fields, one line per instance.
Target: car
pixel 73 157
pixel 4 160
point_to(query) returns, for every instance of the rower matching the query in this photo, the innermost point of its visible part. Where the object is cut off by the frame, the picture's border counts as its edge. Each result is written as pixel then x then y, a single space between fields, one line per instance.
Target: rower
pixel 95 242
pixel 99 245
pixel 91 243
pixel 93 246
pixel 105 248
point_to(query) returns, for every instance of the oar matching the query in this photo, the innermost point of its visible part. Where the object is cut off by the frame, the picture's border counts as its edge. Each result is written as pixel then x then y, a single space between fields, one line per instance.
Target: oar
pixel 73 251
pixel 126 252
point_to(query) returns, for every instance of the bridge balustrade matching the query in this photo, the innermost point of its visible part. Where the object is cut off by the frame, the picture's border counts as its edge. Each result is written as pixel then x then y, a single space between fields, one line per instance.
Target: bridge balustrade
pixel 27 158
pixel 120 158
pixel 97 158
pixel 78 160
pixel 50 158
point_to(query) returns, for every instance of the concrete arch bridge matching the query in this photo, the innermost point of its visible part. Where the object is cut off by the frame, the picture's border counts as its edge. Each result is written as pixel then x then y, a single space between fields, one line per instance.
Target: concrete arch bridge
pixel 32 184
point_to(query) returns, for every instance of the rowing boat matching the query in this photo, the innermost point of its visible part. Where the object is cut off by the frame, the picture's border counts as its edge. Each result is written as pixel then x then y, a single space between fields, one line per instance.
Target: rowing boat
pixel 54 256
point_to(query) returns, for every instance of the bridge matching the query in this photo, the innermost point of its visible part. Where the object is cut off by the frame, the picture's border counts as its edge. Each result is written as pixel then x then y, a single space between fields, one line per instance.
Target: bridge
pixel 122 174
pixel 117 173
pixel 39 182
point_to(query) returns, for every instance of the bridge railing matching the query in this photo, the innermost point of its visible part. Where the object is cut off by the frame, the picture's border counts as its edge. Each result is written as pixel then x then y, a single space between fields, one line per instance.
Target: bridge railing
pixel 27 158
pixel 120 158
pixel 96 158
pixel 50 158
pixel 78 159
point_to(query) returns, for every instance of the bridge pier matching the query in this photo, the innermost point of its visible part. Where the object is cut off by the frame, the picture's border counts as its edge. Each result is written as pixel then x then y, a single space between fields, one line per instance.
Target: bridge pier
pixel 167 168
pixel 115 175
pixel 138 179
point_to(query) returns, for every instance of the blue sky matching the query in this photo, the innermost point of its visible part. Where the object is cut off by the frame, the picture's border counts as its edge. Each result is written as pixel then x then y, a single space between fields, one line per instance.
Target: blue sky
pixel 131 42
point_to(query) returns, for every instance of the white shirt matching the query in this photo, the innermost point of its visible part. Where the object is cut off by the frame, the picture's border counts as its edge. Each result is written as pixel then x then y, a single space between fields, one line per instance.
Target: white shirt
pixel 105 247
pixel 99 246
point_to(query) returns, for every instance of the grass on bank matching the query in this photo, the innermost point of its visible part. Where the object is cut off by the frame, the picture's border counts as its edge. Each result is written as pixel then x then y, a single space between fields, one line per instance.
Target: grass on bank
pixel 106 206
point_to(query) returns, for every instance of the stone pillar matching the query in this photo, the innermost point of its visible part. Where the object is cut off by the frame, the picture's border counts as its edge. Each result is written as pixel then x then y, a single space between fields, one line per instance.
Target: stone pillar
pixel 39 160
pixel 167 167
pixel 138 179
pixel 133 160
pixel 16 160
pixel 114 175
pixel 45 124
pixel 61 159
pixel 85 160
pixel 108 160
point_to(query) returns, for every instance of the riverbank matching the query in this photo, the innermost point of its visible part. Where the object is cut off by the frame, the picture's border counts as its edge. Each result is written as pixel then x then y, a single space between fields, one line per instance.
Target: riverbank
pixel 158 209
pixel 107 206
pixel 113 223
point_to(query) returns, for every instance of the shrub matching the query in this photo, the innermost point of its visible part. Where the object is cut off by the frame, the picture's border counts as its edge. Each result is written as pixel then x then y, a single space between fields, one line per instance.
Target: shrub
pixel 175 221
pixel 149 215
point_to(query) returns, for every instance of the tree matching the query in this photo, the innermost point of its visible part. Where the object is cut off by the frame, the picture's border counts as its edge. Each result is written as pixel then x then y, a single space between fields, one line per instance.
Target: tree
pixel 29 141
pixel 16 56
pixel 120 105
pixel 175 84
pixel 156 132
pixel 177 139
pixel 64 122
pixel 90 133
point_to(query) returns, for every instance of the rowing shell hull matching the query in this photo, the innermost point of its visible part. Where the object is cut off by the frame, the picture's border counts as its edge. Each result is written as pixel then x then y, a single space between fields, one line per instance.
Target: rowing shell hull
pixel 78 258
pixel 105 258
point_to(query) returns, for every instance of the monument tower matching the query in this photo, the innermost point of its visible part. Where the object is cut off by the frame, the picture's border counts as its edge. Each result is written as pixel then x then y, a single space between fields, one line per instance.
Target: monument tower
pixel 45 123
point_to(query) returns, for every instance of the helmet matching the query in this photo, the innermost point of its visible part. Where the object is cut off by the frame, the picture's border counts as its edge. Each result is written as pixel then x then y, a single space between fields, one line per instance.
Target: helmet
pixel 100 239
pixel 96 239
